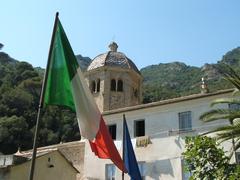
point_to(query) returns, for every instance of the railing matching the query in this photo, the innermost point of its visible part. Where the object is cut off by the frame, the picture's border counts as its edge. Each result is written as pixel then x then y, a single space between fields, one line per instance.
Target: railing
pixel 194 130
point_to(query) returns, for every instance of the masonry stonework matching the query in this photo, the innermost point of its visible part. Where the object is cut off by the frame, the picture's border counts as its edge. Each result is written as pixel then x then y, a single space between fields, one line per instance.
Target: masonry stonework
pixel 114 66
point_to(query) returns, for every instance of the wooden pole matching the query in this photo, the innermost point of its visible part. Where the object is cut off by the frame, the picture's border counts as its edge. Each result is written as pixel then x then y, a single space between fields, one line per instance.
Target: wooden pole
pixel 31 173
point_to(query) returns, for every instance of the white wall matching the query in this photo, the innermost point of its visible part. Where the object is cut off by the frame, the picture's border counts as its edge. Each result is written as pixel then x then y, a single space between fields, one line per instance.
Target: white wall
pixel 162 118
pixel 163 157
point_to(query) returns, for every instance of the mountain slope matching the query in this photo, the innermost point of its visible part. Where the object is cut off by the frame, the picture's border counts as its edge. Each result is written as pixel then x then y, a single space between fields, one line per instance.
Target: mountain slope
pixel 175 79
pixel 169 80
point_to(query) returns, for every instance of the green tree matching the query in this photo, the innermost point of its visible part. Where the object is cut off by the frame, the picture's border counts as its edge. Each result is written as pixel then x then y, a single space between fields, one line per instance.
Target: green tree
pixel 23 71
pixel 13 133
pixel 206 161
pixel 20 87
pixel 17 101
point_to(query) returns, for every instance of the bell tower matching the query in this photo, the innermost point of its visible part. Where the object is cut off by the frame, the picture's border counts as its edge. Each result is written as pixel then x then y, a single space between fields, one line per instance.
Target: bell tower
pixel 114 80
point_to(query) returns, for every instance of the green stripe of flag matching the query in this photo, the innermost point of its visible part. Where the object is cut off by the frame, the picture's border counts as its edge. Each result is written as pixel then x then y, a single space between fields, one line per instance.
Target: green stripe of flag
pixel 62 68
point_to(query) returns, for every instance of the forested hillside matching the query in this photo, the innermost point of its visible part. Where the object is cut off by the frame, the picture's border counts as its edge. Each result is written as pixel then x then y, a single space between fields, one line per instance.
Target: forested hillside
pixel 164 81
pixel 20 86
pixel 169 80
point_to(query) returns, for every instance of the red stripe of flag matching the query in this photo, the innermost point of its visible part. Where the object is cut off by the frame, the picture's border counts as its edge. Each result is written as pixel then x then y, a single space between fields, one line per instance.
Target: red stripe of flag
pixel 104 148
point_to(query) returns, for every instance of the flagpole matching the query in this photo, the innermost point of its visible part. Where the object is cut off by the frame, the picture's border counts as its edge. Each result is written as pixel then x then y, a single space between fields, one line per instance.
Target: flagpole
pixel 41 103
pixel 123 141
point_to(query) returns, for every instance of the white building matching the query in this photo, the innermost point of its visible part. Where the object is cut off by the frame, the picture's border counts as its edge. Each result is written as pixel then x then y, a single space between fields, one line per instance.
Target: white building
pixel 158 130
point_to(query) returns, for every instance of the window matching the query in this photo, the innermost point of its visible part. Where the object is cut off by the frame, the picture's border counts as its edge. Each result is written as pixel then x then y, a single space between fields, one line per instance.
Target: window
pixel 110 170
pixel 139 128
pixel 120 86
pixel 234 106
pixel 113 85
pixel 112 130
pixel 98 85
pixel 135 92
pixel 93 86
pixel 185 121
pixel 142 169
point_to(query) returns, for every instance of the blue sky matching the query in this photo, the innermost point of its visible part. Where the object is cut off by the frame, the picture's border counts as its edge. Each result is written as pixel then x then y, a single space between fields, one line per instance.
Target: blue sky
pixel 147 31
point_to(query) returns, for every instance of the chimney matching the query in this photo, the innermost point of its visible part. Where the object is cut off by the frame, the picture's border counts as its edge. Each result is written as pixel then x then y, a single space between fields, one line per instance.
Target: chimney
pixel 204 88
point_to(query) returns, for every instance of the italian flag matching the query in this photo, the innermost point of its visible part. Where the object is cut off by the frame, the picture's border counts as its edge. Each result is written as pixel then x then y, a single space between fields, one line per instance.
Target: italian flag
pixel 65 86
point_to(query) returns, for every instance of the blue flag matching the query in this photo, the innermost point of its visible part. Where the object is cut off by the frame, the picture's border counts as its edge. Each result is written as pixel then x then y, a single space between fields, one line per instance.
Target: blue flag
pixel 129 156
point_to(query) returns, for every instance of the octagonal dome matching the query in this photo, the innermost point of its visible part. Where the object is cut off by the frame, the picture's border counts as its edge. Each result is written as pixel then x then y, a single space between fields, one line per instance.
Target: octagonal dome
pixel 112 58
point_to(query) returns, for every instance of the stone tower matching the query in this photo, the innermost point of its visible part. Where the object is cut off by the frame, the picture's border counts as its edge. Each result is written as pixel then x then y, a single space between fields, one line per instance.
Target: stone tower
pixel 114 80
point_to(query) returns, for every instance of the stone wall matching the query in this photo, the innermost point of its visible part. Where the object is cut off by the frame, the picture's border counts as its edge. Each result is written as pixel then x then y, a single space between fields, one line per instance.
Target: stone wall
pixel 107 99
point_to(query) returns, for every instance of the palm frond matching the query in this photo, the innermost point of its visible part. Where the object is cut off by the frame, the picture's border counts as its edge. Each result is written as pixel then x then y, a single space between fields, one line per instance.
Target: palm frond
pixel 229 133
pixel 219 114
pixel 218 129
pixel 229 74
pixel 237 144
pixel 234 81
pixel 236 92
pixel 225 133
pixel 225 101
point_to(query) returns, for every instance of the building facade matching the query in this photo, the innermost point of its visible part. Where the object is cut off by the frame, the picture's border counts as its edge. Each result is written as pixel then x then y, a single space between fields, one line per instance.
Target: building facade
pixel 50 164
pixel 157 131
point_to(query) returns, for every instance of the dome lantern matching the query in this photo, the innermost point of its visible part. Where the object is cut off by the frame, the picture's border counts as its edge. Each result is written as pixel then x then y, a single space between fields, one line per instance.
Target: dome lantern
pixel 113 47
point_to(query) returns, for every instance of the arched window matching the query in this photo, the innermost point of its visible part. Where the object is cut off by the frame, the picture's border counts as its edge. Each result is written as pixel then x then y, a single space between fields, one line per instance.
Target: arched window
pixel 113 85
pixel 120 86
pixel 93 86
pixel 98 85
pixel 135 93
